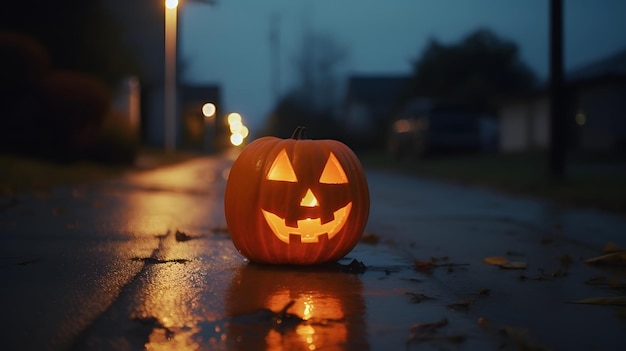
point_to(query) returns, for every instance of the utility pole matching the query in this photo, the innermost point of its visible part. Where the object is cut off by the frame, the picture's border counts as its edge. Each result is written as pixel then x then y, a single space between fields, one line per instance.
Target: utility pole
pixel 275 49
pixel 558 116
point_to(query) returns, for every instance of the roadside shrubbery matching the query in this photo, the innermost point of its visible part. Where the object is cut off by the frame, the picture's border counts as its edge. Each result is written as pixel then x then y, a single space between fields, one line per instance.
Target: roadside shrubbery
pixel 59 115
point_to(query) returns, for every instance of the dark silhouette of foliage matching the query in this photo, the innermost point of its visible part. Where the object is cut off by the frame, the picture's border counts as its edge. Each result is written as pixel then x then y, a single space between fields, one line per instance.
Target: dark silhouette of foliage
pixel 473 70
pixel 292 111
pixel 23 65
pixel 79 35
pixel 58 63
pixel 71 109
pixel 312 102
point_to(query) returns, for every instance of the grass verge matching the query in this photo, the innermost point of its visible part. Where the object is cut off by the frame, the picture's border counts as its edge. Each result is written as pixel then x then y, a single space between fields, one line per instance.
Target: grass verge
pixel 19 173
pixel 589 182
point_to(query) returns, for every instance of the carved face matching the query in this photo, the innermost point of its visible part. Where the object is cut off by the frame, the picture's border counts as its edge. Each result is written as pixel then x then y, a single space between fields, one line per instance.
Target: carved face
pixel 309 228
pixel 296 201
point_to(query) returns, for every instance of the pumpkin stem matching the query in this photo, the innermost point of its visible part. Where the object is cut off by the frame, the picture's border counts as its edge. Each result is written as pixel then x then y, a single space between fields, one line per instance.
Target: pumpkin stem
pixel 299 133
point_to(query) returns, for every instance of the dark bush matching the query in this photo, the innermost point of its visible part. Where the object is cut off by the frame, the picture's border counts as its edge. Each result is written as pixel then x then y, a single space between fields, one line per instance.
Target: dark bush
pixel 117 142
pixel 23 64
pixel 72 107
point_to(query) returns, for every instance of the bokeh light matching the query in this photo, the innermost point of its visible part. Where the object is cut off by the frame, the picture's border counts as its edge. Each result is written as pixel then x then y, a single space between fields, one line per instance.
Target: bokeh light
pixel 171 4
pixel 234 117
pixel 208 109
pixel 236 139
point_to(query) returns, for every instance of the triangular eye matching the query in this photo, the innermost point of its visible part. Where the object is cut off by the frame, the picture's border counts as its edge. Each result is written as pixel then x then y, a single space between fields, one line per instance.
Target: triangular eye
pixel 281 169
pixel 333 172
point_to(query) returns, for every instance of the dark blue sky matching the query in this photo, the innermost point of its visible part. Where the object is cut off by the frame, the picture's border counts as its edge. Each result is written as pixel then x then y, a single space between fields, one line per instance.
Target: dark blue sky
pixel 229 43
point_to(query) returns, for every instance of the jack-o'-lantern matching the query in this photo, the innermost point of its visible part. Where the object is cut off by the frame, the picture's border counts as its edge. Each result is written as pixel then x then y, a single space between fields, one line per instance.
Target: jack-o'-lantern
pixel 296 201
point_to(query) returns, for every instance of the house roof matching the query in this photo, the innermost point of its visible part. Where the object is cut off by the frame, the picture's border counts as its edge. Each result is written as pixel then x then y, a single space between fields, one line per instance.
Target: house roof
pixel 609 67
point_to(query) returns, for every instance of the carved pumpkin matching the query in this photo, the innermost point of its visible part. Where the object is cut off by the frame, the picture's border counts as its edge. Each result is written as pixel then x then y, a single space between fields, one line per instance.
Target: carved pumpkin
pixel 296 201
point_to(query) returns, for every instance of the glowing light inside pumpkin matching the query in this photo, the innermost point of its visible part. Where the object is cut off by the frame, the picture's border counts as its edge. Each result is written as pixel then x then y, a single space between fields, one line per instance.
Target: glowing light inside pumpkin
pixel 309 229
pixel 281 169
pixel 333 172
pixel 309 200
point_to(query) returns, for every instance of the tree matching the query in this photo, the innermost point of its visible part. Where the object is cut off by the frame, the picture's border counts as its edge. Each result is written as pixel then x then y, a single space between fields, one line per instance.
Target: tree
pixel 314 99
pixel 316 67
pixel 473 70
pixel 79 35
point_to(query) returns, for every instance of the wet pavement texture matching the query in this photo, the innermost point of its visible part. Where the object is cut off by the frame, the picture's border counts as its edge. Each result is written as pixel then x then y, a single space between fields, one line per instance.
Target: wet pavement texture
pixel 145 262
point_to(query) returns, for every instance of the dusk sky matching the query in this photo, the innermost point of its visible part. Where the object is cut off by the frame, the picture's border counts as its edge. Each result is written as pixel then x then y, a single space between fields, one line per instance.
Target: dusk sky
pixel 228 43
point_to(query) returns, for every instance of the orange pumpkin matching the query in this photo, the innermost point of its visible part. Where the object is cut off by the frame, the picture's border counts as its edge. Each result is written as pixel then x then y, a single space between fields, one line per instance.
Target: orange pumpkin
pixel 296 201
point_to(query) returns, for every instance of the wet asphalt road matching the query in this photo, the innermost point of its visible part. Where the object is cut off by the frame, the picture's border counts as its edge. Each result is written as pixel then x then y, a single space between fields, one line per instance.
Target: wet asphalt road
pixel 145 262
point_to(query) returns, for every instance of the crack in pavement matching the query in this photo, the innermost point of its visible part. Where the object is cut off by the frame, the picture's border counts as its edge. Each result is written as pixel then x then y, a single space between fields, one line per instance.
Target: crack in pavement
pixel 115 325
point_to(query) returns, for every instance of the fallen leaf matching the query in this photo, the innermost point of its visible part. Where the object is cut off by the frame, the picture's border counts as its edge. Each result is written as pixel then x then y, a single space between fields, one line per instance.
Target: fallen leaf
pixel 514 265
pixel 355 267
pixel 417 298
pixel 460 305
pixel 504 263
pixel 495 260
pixel 615 258
pixel 429 332
pixel 428 327
pixel 182 236
pixel 483 322
pixel 424 266
pixel 611 300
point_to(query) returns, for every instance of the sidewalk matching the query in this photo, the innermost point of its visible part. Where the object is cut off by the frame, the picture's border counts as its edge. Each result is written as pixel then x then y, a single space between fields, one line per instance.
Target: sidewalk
pixel 145 262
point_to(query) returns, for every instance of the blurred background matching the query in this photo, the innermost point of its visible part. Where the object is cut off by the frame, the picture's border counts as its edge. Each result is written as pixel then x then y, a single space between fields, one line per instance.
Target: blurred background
pixel 402 79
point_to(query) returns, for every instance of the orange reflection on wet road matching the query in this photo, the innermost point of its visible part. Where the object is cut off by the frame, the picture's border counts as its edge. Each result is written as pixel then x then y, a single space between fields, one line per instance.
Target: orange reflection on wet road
pixel 310 309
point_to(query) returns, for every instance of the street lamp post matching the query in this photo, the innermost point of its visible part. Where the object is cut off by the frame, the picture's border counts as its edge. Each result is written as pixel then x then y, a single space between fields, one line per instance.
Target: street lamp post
pixel 171 8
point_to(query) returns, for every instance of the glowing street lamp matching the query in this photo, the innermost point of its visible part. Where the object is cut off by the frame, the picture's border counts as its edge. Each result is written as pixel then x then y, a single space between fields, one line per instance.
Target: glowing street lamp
pixel 208 110
pixel 171 8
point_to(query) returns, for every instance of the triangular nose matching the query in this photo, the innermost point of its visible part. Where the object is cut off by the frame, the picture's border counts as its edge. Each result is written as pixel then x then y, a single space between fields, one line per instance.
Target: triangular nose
pixel 309 199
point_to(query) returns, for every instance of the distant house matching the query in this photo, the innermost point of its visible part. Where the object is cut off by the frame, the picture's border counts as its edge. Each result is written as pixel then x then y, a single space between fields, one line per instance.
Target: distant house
pixel 369 105
pixel 596 111
pixel 524 122
pixel 600 112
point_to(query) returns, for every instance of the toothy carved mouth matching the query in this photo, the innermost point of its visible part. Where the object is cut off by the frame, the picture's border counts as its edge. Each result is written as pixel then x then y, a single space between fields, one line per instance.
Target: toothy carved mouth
pixel 308 229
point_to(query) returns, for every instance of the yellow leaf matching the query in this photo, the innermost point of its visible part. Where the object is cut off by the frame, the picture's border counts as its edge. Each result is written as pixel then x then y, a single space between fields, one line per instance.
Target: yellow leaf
pixel 612 300
pixel 514 265
pixel 615 258
pixel 495 260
